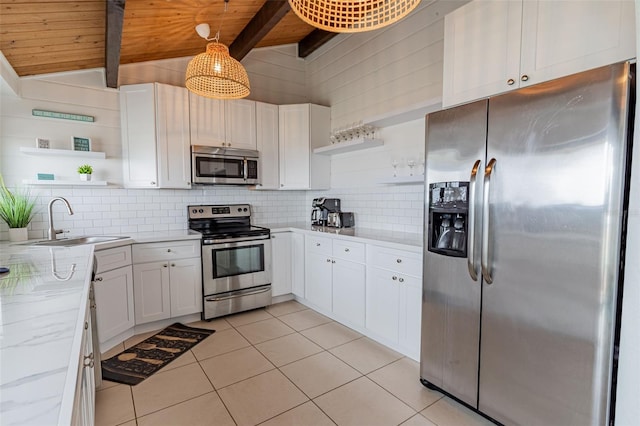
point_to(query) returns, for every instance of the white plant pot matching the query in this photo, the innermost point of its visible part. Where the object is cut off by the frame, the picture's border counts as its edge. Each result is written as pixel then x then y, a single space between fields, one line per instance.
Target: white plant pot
pixel 85 177
pixel 18 234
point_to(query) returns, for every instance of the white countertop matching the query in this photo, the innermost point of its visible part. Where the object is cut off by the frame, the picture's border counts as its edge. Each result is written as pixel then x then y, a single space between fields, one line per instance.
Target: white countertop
pixel 41 324
pixel 399 240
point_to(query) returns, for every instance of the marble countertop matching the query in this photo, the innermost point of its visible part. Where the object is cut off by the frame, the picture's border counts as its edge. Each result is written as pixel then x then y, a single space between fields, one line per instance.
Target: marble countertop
pixel 43 301
pixel 399 240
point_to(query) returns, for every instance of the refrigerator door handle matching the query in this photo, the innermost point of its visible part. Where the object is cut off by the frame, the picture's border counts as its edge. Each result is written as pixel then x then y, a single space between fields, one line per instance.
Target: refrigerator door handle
pixel 471 231
pixel 484 258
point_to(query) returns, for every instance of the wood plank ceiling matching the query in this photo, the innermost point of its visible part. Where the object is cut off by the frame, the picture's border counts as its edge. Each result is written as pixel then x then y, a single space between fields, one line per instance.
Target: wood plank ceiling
pixel 45 36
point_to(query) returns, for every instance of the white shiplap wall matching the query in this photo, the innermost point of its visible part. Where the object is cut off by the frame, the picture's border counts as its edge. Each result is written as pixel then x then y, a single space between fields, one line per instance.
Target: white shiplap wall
pixel 370 74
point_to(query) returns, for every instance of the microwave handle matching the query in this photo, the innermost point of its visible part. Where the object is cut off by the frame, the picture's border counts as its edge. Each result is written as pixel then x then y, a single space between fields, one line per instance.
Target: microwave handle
pixel 245 168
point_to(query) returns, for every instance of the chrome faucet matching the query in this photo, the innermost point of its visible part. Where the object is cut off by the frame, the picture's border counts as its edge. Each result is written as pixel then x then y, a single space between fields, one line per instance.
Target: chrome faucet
pixel 52 231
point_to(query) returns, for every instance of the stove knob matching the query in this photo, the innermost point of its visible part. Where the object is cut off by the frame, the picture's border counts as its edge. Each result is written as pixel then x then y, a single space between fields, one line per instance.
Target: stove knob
pixel 201 211
pixel 239 209
pixel 194 211
pixel 245 209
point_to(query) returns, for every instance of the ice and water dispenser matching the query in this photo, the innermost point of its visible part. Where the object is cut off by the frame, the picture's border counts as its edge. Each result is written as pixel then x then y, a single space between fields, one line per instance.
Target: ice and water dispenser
pixel 448 212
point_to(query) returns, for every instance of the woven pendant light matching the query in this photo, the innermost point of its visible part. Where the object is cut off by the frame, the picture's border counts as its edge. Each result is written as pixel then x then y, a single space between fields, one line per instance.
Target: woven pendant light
pixel 214 73
pixel 352 16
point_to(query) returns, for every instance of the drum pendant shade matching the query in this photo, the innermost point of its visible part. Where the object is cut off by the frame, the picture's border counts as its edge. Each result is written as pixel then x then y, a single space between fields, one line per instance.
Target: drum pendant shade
pixel 352 16
pixel 215 74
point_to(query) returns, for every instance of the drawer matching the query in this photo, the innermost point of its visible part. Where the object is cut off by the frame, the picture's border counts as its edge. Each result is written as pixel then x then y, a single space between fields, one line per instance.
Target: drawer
pixel 348 250
pixel 167 250
pixel 317 244
pixel 113 258
pixel 403 262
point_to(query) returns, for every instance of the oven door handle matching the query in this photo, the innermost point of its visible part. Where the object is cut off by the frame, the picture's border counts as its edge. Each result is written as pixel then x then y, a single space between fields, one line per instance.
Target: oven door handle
pixel 237 294
pixel 235 240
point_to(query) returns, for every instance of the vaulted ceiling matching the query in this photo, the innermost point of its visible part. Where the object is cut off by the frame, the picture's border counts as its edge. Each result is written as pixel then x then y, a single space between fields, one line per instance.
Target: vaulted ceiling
pixel 45 36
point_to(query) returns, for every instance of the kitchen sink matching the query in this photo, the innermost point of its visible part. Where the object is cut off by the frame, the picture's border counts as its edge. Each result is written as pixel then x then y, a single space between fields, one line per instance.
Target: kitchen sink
pixel 67 242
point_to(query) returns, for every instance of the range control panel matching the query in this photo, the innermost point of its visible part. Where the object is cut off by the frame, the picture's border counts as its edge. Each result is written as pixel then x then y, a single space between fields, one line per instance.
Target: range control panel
pixel 219 211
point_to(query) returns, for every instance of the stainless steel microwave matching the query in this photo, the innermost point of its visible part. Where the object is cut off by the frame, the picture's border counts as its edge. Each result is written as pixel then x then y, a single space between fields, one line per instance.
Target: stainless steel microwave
pixel 224 166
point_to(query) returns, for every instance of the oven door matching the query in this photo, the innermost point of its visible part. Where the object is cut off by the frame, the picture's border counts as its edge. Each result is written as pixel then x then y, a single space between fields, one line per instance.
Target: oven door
pixel 235 265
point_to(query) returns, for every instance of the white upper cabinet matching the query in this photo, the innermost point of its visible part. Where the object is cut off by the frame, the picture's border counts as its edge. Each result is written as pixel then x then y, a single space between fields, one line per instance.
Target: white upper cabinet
pixel 155 136
pixel 492 47
pixel 267 142
pixel 223 123
pixel 302 128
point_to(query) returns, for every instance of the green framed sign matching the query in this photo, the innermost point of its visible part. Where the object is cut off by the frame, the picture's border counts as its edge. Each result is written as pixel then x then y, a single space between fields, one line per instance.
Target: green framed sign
pixel 62 115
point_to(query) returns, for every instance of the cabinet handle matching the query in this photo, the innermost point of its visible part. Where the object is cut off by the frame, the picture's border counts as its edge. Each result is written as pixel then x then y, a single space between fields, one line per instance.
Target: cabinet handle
pixel 88 360
pixel 98 278
pixel 86 325
pixel 328 260
pixel 524 77
pixel 394 278
pixel 168 250
pixel 189 183
pixel 281 185
pixel 510 82
pixel 173 264
pixel 273 237
pixel 347 250
pixel 317 244
pixel 401 279
pixel 398 260
pixel 333 261
pixel 152 183
pixel 165 265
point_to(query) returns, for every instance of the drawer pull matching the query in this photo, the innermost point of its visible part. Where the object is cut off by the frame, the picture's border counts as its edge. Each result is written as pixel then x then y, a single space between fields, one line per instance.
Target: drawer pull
pixel 86 325
pixel 510 82
pixel 165 265
pixel 88 360
pixel 394 278
pixel 98 278
pixel 401 279
pixel 173 264
pixel 398 260
pixel 328 260
pixel 347 250
pixel 333 261
pixel 168 250
pixel 317 244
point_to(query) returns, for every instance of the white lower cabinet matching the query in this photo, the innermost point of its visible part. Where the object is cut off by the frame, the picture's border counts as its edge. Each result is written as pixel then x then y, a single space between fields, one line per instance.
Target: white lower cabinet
pixel 394 297
pixel 113 289
pixel 84 402
pixel 335 278
pixel 297 264
pixel 281 266
pixel 166 285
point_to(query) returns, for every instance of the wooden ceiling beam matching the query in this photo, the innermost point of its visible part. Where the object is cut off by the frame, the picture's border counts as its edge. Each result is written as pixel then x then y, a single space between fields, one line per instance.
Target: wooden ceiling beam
pixel 313 41
pixel 115 19
pixel 267 17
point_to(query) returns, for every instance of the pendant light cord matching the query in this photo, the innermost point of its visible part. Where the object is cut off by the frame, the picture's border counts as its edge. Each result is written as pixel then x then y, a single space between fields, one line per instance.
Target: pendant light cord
pixel 217 36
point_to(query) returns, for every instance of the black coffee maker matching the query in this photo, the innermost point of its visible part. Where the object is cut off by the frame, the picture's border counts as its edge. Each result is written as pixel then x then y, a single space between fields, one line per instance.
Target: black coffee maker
pixel 320 209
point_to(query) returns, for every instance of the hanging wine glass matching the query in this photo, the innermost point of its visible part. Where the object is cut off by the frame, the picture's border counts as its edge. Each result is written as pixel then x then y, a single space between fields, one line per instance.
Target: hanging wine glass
pixel 411 163
pixel 395 163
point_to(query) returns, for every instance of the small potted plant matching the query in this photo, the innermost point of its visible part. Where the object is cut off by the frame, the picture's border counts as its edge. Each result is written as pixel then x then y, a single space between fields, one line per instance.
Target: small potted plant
pixel 85 172
pixel 16 209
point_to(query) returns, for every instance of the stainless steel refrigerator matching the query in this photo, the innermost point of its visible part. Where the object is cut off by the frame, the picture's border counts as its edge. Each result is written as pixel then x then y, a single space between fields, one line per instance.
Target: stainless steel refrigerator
pixel 525 209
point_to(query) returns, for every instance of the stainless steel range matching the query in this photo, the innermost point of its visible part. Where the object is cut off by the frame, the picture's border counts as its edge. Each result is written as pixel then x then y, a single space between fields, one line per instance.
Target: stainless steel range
pixel 236 259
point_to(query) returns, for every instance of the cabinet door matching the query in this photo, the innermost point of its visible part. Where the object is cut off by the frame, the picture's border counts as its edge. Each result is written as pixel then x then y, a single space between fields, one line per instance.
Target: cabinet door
pixel 349 291
pixel 186 286
pixel 138 123
pixel 151 293
pixel 294 146
pixel 85 389
pixel 567 37
pixel 240 123
pixel 481 50
pixel 114 302
pixel 410 315
pixel 297 267
pixel 281 263
pixel 383 303
pixel 206 116
pixel 173 139
pixel 318 280
pixel 267 144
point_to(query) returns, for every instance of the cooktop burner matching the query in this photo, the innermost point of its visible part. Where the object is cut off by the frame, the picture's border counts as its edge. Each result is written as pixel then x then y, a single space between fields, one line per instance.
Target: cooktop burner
pixel 219 222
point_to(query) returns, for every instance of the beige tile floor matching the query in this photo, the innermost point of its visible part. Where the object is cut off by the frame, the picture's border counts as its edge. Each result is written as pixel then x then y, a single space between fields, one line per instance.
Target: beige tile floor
pixel 283 365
